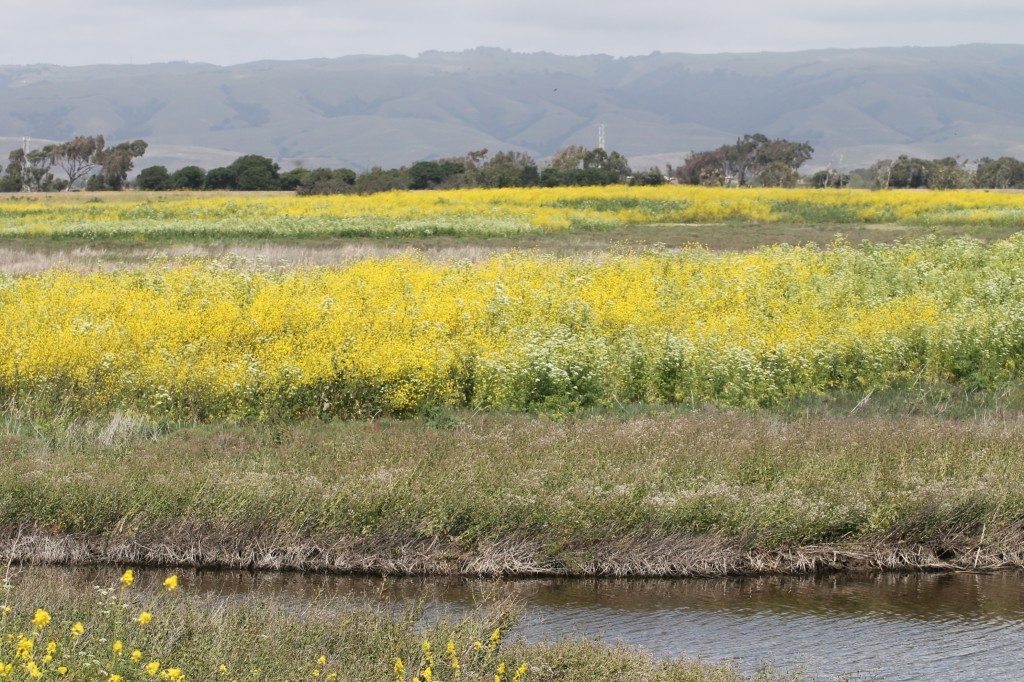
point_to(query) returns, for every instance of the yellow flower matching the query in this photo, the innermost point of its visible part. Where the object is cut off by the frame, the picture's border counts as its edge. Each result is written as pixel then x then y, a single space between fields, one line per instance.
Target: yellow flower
pixel 114 678
pixel 454 658
pixel 145 617
pixel 152 668
pixel 321 661
pixel 41 619
pixel 117 647
pixel 499 674
pixel 171 584
pixel 51 647
pixel 173 674
pixel 520 673
pixel 136 655
pixel 5 610
pixel 399 670
pixel 24 647
pixel 223 669
pixel 33 670
pixel 128 577
pixel 62 670
pixel 77 630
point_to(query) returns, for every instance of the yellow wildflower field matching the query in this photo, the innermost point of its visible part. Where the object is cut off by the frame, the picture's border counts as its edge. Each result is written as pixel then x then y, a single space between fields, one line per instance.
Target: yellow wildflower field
pixel 489 212
pixel 395 335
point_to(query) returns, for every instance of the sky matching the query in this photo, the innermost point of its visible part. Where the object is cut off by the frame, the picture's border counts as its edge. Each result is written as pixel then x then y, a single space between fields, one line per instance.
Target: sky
pixel 75 32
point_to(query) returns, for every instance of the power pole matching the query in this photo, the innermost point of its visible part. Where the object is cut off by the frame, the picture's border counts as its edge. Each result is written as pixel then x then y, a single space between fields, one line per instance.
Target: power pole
pixel 24 163
pixel 600 136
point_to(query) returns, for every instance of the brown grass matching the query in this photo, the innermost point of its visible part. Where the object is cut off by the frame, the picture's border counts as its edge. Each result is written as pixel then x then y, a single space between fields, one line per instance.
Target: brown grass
pixel 669 495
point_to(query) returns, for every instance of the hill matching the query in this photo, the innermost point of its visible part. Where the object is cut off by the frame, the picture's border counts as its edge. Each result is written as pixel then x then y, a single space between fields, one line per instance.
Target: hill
pixel 854 106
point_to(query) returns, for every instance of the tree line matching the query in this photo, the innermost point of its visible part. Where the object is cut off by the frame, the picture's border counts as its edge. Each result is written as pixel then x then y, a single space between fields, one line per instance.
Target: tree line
pixel 753 160
pixel 571 166
pixel 758 160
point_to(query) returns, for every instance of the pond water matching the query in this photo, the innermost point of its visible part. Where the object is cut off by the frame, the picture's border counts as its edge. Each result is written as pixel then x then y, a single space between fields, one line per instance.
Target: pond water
pixel 885 626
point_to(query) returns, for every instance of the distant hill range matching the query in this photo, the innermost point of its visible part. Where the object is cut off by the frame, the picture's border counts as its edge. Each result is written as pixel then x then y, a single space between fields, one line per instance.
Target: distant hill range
pixel 854 106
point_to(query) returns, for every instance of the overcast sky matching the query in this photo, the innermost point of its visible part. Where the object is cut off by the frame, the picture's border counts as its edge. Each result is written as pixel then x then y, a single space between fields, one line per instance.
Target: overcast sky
pixel 234 31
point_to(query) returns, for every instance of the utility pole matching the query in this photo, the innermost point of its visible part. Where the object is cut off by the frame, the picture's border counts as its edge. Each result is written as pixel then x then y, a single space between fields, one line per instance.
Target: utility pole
pixel 600 136
pixel 24 163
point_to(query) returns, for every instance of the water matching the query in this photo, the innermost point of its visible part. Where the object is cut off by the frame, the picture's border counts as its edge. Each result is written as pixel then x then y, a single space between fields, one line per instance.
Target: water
pixel 887 626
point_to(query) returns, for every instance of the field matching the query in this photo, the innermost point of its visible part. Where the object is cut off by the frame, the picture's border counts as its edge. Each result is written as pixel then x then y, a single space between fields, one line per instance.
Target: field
pixel 486 213
pixel 403 335
pixel 503 383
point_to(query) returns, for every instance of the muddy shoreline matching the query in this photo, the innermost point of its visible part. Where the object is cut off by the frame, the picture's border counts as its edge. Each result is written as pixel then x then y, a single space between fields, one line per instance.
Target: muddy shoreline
pixel 630 557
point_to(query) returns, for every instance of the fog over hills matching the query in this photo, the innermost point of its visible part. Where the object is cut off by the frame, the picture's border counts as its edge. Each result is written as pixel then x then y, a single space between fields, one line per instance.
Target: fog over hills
pixel 854 106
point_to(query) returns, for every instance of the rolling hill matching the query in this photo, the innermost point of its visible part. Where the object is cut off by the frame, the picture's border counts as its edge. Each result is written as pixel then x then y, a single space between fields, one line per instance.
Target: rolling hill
pixel 854 106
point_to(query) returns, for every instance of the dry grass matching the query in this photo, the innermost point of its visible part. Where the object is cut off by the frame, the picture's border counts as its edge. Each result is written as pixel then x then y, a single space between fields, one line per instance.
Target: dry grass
pixel 255 638
pixel 691 494
pixel 21 257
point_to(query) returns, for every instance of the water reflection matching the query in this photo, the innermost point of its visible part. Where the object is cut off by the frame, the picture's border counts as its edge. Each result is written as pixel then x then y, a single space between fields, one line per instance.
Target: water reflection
pixel 886 626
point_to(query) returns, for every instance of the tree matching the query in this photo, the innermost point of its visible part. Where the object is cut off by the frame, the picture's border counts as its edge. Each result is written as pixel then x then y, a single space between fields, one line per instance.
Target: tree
pixel 292 180
pixel 948 173
pixel 154 178
pixel 509 169
pixel 379 179
pixel 908 173
pixel 778 174
pixel 13 179
pixel 1002 173
pixel 76 157
pixel 116 163
pixel 576 166
pixel 430 174
pixel 650 177
pixel 789 154
pixel 189 177
pixel 326 181
pixel 829 178
pixel 881 173
pixel 568 159
pixel 702 168
pixel 220 178
pixel 739 157
pixel 36 171
pixel 254 173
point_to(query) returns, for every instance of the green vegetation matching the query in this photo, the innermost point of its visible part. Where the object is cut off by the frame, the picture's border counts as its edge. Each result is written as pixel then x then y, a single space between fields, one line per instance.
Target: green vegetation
pixel 866 483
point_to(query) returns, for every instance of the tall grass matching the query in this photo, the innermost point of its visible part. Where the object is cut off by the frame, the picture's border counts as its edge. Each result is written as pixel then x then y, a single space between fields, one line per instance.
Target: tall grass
pixel 702 493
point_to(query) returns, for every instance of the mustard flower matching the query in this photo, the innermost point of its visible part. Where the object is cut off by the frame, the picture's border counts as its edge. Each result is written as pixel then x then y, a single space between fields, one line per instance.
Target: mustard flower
pixel 41 619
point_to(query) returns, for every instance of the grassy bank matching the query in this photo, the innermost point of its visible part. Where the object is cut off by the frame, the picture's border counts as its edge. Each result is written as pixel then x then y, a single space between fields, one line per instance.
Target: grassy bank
pixel 486 213
pixel 704 493
pixel 190 637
